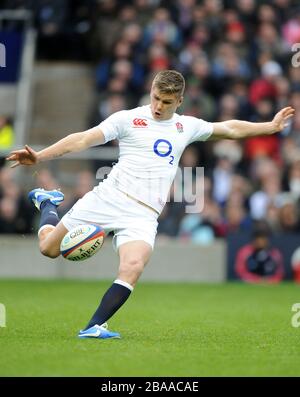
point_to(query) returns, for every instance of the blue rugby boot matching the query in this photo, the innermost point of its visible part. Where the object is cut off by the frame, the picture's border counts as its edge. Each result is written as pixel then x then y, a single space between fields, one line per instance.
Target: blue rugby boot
pixel 100 332
pixel 39 195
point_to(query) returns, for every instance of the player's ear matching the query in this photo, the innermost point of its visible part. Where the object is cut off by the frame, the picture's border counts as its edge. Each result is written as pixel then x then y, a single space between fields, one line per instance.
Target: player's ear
pixel 180 100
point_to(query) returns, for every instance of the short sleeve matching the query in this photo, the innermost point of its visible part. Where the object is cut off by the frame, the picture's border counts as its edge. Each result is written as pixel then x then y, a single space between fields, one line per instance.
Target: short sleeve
pixel 200 130
pixel 114 126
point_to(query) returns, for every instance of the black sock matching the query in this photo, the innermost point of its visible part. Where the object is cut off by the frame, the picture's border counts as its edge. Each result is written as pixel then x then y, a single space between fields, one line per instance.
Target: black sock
pixel 112 300
pixel 48 214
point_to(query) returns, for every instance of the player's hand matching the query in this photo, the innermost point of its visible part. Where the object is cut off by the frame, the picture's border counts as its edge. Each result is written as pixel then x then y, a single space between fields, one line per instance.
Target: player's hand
pixel 281 118
pixel 26 156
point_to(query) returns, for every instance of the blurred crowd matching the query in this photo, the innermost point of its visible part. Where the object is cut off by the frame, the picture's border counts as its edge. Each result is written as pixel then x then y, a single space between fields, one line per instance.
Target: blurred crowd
pixel 236 56
pixel 18 215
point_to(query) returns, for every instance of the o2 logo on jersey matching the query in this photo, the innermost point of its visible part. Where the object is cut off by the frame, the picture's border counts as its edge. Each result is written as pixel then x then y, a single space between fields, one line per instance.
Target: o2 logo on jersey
pixel 163 148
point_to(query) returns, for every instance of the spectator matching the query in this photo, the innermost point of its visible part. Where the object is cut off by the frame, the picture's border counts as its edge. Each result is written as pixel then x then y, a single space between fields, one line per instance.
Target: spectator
pixel 184 15
pixel 46 180
pixel 263 146
pixel 85 181
pixel 222 179
pixel 288 214
pixel 228 107
pixel 283 88
pixel 264 86
pixel 6 136
pixel 295 263
pixel 113 103
pixel 268 39
pixel 236 219
pixel 227 63
pixel 291 29
pixel 258 261
pixel 291 142
pixel 201 227
pixel 157 58
pixel 269 193
pixel 161 29
pixel 16 214
pixel 171 216
pixel 294 179
pixel 239 88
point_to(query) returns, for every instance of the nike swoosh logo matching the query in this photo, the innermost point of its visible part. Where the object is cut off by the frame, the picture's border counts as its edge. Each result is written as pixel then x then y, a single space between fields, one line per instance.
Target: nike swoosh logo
pixel 37 195
pixel 95 334
pixel 47 197
pixel 54 213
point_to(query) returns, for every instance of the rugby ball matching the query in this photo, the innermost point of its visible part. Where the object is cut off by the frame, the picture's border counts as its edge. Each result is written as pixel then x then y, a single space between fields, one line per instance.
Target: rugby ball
pixel 82 242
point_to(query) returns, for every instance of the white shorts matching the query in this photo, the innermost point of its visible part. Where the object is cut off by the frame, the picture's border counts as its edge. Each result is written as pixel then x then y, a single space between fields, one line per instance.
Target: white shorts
pixel 114 211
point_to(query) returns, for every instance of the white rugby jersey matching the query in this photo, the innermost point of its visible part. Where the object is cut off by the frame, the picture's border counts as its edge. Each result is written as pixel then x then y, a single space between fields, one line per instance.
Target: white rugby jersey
pixel 150 151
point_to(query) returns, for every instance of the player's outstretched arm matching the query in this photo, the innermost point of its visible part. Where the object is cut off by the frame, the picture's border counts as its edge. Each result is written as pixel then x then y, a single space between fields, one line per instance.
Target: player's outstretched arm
pixel 238 129
pixel 75 142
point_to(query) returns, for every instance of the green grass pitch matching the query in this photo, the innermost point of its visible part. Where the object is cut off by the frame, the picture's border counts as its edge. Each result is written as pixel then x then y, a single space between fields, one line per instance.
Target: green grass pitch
pixel 167 330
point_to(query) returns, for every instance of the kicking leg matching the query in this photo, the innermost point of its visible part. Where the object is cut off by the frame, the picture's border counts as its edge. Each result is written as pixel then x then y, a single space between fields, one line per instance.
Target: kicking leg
pixel 50 238
pixel 134 255
pixel 51 231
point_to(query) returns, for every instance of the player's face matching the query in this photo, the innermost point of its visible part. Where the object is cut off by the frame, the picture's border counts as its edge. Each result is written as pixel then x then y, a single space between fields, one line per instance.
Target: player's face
pixel 163 106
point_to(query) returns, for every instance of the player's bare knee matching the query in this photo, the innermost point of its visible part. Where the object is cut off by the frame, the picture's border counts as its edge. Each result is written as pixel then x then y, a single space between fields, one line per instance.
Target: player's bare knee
pixel 132 268
pixel 48 251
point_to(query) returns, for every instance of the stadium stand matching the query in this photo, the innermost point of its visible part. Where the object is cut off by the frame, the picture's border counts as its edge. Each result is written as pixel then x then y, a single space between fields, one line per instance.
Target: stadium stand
pixel 237 59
